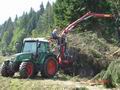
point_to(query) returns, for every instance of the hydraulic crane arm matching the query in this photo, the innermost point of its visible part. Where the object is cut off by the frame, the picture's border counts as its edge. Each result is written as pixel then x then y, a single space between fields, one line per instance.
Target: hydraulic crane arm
pixel 84 17
pixel 63 42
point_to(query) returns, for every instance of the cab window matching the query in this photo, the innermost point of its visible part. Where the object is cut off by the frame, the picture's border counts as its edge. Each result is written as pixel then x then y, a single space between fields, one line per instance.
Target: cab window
pixel 42 48
pixel 30 47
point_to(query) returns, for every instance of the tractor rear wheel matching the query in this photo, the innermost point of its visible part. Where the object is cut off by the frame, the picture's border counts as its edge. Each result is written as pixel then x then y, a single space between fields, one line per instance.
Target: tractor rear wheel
pixel 26 70
pixel 7 69
pixel 50 67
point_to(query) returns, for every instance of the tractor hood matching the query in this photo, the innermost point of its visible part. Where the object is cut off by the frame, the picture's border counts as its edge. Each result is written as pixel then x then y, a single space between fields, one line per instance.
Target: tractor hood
pixel 24 56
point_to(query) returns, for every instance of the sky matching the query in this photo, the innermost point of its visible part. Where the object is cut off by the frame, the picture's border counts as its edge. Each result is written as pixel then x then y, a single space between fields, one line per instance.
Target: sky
pixel 11 8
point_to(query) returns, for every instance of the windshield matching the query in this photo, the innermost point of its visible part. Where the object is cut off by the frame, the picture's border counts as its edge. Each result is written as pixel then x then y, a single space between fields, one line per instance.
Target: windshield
pixel 30 47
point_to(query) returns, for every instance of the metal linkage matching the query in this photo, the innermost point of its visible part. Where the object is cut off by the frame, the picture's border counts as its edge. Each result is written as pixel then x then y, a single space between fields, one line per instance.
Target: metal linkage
pixel 84 17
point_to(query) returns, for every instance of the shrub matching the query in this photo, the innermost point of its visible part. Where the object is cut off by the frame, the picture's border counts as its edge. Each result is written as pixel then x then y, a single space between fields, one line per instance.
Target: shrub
pixel 113 74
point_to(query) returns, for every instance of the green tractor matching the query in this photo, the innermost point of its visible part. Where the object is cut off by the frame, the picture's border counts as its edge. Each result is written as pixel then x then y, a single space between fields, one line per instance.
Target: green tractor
pixel 35 57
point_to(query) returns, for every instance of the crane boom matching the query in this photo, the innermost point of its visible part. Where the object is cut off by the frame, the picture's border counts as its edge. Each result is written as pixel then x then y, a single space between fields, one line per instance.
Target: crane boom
pixel 84 17
pixel 62 39
pixel 70 27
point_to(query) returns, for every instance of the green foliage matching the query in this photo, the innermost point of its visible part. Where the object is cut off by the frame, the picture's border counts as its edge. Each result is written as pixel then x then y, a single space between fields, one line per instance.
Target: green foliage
pixel 113 74
pixel 45 23
pixel 95 53
pixel 21 34
pixel 67 11
pixel 7 34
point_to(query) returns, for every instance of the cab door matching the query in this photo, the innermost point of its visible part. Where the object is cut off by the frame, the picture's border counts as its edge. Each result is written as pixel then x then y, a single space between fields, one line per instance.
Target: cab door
pixel 42 52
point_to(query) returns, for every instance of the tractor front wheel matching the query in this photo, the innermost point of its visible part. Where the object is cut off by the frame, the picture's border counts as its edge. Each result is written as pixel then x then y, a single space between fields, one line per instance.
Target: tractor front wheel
pixel 7 69
pixel 26 70
pixel 50 67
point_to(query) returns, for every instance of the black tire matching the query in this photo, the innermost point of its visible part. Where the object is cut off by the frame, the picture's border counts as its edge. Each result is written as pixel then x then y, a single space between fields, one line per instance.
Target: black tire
pixel 46 73
pixel 26 70
pixel 4 68
pixel 11 71
pixel 7 69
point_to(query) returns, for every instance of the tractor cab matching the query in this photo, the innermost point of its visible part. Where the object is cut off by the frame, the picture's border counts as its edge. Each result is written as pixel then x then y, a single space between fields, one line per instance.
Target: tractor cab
pixel 35 45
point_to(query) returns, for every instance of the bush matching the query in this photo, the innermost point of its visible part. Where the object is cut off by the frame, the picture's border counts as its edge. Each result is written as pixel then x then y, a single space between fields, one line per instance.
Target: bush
pixel 113 74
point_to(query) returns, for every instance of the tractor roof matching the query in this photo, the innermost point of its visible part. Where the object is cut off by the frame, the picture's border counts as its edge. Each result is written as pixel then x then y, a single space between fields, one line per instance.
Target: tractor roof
pixel 36 39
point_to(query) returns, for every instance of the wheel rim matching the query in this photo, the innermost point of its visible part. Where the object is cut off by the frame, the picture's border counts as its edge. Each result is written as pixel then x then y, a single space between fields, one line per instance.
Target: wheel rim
pixel 51 67
pixel 29 69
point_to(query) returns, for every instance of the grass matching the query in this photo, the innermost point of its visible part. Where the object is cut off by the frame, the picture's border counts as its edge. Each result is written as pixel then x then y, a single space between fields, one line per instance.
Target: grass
pixel 32 84
pixel 2 59
pixel 38 83
pixel 60 82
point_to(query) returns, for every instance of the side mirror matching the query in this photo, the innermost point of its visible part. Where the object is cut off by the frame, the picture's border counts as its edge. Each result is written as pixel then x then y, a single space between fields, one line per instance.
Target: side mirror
pixel 18 46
